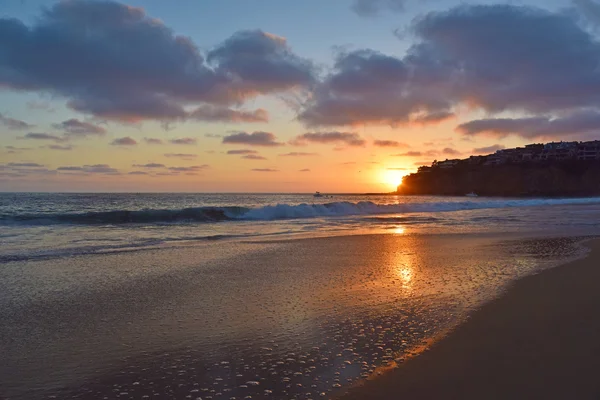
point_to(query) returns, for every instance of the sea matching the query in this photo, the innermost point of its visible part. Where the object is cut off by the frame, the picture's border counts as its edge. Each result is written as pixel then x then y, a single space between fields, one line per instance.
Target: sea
pixel 48 225
pixel 237 296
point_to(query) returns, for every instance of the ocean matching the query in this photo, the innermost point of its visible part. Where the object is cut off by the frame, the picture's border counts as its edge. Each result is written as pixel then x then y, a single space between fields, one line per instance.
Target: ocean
pixel 223 296
pixel 57 225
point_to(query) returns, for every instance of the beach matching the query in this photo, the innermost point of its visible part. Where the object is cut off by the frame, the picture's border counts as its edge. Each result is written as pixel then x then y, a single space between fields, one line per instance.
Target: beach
pixel 286 300
pixel 292 318
pixel 539 340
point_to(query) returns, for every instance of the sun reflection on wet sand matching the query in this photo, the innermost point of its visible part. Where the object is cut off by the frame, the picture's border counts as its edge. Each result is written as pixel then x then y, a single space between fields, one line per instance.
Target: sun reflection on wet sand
pixel 404 269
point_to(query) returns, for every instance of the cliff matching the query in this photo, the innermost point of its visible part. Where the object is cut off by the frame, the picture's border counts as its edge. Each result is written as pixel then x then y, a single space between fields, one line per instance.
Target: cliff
pixel 539 178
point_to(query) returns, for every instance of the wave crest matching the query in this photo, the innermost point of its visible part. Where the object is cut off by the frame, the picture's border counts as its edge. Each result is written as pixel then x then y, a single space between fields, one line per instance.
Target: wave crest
pixel 273 212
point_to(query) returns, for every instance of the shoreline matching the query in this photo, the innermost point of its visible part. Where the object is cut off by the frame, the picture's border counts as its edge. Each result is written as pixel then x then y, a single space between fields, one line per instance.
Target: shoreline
pixel 537 340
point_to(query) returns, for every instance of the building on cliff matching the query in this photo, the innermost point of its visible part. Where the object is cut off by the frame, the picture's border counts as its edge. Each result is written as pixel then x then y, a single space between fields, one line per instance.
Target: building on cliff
pixel 554 151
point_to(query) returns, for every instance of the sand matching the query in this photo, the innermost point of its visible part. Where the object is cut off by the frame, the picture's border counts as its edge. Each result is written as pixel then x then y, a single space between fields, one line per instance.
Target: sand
pixel 540 340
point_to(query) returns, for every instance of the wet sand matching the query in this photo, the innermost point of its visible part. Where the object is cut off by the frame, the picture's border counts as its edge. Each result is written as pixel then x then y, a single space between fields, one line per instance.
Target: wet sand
pixel 299 318
pixel 537 341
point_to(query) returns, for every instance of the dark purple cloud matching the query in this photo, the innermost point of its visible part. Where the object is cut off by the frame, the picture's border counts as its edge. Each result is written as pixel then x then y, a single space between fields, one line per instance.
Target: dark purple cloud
pixel 259 62
pixel 76 127
pixel 24 165
pixel 223 114
pixel 488 149
pixel 129 66
pixel 153 141
pixel 347 138
pixel 244 151
pixel 389 143
pixel 137 173
pixel 180 155
pixel 252 139
pixel 149 165
pixel 124 141
pixel 193 168
pixel 91 169
pixel 100 169
pixel 264 170
pixel 69 169
pixel 465 56
pixel 14 124
pixel 298 154
pixel 43 136
pixel 582 125
pixel 185 141
pixel 59 147
pixel 254 157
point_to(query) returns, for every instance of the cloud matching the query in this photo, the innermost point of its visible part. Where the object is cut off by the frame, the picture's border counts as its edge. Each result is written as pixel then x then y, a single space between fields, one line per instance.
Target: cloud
pixel 449 151
pixel 39 105
pixel 153 141
pixel 193 168
pixel 131 67
pixel 252 139
pixel 24 165
pixel 582 125
pixel 432 118
pixel 428 153
pixel 180 155
pixel 223 114
pixel 185 141
pixel 422 163
pixel 589 9
pixel 298 154
pixel 390 143
pixel 264 170
pixel 13 149
pixel 69 169
pixel 347 138
pixel 304 170
pixel 242 151
pixel 124 141
pixel 14 124
pixel 91 169
pixel 137 173
pixel 59 147
pixel 464 57
pixel 43 136
pixel 253 157
pixel 75 127
pixel 370 8
pixel 149 165
pixel 489 149
pixel 260 62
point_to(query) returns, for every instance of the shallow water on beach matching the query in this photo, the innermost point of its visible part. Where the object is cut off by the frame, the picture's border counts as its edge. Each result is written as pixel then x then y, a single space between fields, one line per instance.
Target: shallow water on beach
pixel 297 318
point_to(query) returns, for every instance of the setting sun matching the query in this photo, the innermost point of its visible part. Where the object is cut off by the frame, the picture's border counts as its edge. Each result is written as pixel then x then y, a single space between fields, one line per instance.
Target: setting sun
pixel 392 177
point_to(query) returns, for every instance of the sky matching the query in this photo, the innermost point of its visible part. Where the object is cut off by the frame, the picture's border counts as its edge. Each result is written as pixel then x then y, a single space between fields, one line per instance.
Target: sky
pixel 280 95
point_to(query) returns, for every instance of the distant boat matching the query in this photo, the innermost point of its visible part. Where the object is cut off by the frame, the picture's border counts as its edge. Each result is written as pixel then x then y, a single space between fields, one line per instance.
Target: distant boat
pixel 472 194
pixel 318 194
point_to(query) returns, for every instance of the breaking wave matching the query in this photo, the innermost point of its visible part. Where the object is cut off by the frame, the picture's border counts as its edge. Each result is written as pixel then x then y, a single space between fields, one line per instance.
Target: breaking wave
pixel 274 212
